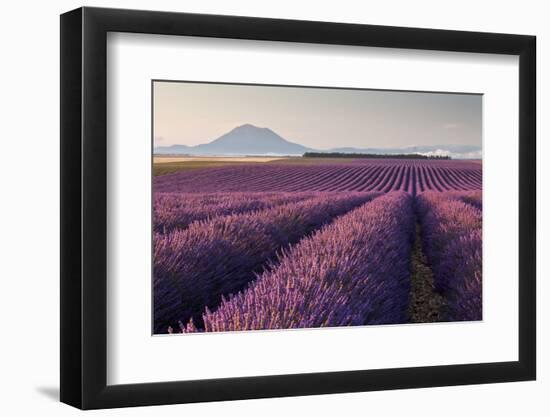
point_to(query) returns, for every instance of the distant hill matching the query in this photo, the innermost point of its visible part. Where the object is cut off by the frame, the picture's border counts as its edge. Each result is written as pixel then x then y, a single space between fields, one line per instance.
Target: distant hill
pixel 252 140
pixel 243 140
pixel 172 150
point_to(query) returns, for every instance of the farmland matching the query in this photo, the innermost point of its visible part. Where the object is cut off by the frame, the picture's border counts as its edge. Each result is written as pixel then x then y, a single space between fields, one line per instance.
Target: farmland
pixel 411 176
pixel 290 243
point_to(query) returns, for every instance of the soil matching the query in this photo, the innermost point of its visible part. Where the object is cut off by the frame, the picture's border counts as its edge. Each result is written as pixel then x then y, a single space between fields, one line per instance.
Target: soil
pixel 426 305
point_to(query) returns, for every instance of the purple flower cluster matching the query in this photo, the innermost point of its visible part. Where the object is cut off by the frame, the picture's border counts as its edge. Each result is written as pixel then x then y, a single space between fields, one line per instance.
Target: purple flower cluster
pixel 475 198
pixel 462 267
pixel 452 241
pixel 354 271
pixel 195 267
pixel 179 210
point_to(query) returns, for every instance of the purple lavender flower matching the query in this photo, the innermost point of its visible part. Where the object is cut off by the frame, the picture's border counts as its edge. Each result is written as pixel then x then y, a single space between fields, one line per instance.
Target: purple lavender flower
pixel 354 271
pixel 195 267
pixel 452 241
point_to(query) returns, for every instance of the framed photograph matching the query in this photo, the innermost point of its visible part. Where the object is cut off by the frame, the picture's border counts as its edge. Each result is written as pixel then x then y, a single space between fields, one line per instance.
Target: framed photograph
pixel 256 207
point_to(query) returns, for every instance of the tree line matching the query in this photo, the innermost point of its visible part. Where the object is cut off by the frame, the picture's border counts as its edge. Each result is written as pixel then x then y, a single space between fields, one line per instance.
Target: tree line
pixel 371 155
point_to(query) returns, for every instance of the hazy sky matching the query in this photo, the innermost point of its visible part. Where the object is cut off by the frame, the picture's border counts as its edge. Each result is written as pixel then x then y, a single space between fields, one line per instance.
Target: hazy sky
pixel 195 113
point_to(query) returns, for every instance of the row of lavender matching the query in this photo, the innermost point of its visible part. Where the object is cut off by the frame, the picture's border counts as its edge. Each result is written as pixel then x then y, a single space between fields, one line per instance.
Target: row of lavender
pixel 452 240
pixel 177 211
pixel 384 176
pixel 194 267
pixel 355 271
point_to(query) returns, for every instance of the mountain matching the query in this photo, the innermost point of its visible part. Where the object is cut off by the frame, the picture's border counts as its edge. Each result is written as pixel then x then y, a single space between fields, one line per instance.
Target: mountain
pixel 243 140
pixel 252 140
pixel 172 150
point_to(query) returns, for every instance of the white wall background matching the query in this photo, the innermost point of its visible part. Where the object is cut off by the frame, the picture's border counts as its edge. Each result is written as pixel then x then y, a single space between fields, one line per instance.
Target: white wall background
pixel 29 225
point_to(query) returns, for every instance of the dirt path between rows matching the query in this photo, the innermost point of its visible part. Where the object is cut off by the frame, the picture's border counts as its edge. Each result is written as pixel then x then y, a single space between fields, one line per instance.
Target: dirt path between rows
pixel 426 305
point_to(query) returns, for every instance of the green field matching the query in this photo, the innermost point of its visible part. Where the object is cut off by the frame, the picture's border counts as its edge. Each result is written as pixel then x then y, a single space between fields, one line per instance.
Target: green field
pixel 162 168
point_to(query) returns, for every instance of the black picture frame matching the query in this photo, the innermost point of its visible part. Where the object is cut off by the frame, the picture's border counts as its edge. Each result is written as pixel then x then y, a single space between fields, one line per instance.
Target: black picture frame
pixel 84 207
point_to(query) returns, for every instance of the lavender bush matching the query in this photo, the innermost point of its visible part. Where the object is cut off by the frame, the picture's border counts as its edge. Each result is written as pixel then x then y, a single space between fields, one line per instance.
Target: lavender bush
pixel 452 241
pixel 179 210
pixel 354 271
pixel 461 271
pixel 194 267
pixel 474 198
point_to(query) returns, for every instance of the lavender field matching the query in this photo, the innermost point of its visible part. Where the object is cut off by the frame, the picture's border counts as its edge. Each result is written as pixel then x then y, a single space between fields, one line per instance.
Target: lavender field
pixel 293 243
